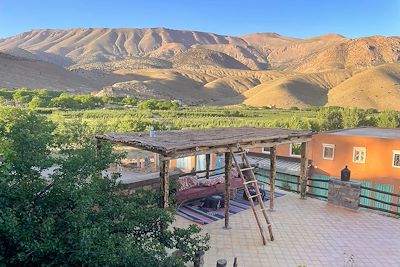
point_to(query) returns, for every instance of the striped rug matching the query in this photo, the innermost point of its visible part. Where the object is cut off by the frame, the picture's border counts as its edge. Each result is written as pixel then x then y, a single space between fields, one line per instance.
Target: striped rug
pixel 194 211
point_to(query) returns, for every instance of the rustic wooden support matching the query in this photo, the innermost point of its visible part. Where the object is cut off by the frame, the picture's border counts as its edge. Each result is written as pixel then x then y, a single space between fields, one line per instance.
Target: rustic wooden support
pixel 235 262
pixel 272 177
pixel 208 161
pixel 164 175
pixel 303 170
pixel 228 168
pixel 199 260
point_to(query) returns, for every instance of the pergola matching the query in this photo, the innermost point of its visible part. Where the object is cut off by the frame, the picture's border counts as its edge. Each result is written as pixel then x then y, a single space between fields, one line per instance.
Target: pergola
pixel 182 143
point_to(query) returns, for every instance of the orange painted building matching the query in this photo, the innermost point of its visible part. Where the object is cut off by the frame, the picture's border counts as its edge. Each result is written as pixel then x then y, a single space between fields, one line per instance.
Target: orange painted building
pixel 371 154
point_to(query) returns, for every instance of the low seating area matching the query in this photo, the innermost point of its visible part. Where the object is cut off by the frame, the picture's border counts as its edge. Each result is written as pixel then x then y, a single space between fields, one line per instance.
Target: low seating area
pixel 192 187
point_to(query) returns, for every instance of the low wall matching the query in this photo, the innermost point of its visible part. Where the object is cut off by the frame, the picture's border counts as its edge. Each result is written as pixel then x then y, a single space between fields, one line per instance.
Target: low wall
pixel 344 194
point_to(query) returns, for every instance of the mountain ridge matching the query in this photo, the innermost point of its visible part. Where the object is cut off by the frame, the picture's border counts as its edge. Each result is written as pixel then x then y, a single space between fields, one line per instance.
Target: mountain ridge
pixel 208 68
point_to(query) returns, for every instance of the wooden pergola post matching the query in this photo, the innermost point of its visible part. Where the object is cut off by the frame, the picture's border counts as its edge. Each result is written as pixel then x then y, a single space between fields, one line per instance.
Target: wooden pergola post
pixel 272 177
pixel 227 195
pixel 303 170
pixel 164 175
pixel 208 160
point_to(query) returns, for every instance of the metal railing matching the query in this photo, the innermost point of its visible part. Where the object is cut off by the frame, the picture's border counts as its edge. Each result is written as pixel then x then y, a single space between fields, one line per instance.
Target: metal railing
pixel 364 193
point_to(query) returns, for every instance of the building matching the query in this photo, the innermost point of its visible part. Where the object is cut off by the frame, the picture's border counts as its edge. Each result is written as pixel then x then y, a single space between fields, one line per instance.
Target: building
pixel 372 155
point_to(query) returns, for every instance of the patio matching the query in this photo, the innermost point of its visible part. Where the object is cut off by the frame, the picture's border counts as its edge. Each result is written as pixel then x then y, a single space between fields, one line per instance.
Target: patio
pixel 307 232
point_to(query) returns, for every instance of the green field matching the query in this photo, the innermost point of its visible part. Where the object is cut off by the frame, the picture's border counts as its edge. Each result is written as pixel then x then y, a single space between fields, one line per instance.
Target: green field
pixel 133 119
pixel 121 114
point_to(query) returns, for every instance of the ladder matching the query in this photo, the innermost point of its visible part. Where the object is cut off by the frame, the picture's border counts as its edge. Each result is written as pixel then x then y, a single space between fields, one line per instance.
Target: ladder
pixel 253 182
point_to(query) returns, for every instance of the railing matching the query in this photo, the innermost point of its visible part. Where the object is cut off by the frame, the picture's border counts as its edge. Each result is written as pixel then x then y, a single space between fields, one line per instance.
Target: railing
pixel 380 201
pixel 364 193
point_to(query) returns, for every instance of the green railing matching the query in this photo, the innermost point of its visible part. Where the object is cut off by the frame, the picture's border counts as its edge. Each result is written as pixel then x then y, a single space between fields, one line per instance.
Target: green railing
pixel 380 198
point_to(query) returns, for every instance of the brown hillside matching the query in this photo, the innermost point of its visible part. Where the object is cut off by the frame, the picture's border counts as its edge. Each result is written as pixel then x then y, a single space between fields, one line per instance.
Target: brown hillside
pixel 295 90
pixel 355 54
pixel 16 72
pixel 200 58
pixel 378 87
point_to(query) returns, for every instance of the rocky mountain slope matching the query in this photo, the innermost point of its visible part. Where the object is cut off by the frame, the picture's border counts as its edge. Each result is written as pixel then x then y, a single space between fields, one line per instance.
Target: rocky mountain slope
pixel 197 67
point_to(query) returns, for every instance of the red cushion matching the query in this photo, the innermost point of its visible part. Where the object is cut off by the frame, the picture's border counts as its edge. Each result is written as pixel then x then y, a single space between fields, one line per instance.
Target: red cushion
pixel 204 191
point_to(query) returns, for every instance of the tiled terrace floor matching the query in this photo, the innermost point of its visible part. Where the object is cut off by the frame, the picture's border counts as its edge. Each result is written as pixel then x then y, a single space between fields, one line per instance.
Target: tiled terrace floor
pixel 307 232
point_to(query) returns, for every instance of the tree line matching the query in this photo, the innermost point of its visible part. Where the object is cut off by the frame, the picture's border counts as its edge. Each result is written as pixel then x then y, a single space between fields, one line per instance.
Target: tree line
pixel 43 98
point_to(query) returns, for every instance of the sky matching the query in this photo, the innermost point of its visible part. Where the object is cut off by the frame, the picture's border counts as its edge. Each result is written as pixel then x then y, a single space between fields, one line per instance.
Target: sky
pixel 296 18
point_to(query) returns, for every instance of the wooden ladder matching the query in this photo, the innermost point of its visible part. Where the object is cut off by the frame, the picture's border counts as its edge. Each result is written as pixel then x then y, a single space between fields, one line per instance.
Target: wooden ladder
pixel 253 182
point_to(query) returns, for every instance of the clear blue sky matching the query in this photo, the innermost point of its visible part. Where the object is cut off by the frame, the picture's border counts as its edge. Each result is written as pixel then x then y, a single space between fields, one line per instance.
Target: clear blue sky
pixel 297 18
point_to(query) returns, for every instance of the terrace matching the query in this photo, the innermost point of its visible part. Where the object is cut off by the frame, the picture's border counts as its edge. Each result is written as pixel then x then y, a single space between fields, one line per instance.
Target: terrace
pixel 307 232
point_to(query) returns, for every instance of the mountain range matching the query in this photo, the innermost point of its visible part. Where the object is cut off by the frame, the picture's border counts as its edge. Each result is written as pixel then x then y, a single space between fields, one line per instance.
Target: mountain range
pixel 259 69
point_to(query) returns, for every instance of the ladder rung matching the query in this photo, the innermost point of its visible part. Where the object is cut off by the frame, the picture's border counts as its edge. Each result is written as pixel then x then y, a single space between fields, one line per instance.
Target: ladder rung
pixel 239 153
pixel 246 169
pixel 249 182
pixel 256 195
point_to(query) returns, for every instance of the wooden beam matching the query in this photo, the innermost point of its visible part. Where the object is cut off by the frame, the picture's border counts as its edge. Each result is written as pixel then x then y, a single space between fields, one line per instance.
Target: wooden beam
pixel 208 160
pixel 217 149
pixel 206 149
pixel 227 195
pixel 272 177
pixel 164 175
pixel 303 170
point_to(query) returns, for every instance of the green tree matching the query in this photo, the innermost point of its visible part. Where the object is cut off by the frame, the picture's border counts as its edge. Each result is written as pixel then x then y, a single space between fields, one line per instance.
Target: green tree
pixel 23 96
pixel 298 124
pixel 37 102
pixel 330 118
pixel 66 101
pixel 73 215
pixel 353 117
pixel 148 104
pixel 130 100
pixel 388 119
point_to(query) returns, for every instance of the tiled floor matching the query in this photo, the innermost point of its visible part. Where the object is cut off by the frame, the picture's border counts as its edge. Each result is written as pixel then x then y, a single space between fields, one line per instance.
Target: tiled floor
pixel 307 232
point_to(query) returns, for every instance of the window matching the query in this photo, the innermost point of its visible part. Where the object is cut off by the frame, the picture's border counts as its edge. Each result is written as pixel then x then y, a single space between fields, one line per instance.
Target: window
pixel 295 149
pixel 266 150
pixel 184 163
pixel 396 159
pixel 200 162
pixel 328 151
pixel 359 154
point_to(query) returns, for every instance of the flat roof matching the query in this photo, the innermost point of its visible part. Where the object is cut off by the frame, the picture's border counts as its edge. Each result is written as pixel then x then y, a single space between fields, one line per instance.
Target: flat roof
pixel 200 141
pixel 386 133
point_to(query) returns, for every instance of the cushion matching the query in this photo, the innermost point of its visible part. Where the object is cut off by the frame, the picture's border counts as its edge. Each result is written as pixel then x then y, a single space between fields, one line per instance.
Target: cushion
pixel 234 173
pixel 214 181
pixel 187 182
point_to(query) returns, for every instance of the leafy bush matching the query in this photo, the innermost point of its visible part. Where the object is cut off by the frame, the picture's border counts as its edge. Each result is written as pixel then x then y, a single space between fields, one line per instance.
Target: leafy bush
pixel 330 118
pixel 388 119
pixel 74 216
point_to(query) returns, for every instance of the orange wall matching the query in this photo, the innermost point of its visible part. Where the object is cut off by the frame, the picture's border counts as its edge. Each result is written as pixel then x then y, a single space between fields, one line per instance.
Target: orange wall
pixel 378 161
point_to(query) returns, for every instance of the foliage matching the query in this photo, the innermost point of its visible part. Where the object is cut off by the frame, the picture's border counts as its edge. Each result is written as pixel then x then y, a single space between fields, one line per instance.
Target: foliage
pixel 154 104
pixel 353 117
pixel 68 101
pixel 130 100
pixel 388 119
pixel 73 216
pixel 330 118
